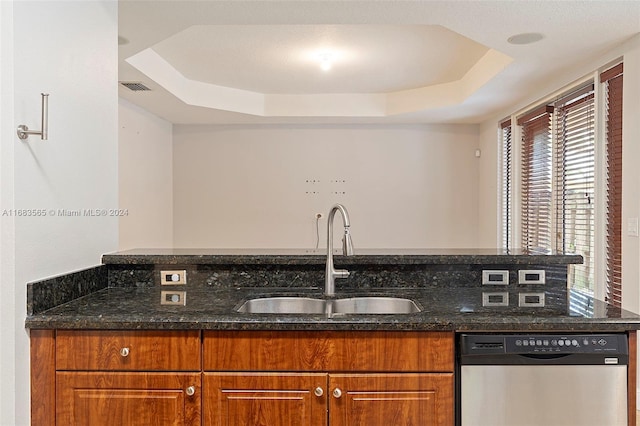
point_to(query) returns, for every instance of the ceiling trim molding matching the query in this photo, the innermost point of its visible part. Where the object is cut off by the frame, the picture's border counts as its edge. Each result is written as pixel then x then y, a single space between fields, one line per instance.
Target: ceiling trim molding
pixel 198 93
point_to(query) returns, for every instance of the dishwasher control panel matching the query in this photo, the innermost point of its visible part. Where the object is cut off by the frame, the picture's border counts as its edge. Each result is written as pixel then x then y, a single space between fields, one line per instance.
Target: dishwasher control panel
pixel 486 344
pixel 563 343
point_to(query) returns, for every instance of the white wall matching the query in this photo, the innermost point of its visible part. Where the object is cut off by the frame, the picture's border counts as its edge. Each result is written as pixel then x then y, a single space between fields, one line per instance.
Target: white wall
pixel 488 173
pixel 145 169
pixel 69 50
pixel 253 186
pixel 8 315
pixel 631 176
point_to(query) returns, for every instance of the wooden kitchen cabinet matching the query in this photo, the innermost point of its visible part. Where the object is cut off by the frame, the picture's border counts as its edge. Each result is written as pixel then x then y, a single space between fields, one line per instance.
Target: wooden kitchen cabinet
pixel 100 377
pixel 370 378
pixel 287 399
pixel 327 351
pixel 128 399
pixel 424 399
pixel 298 399
pixel 108 377
pixel 128 350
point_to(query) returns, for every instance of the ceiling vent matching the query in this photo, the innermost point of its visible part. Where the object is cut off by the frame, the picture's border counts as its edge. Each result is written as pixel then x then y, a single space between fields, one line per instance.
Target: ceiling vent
pixel 135 86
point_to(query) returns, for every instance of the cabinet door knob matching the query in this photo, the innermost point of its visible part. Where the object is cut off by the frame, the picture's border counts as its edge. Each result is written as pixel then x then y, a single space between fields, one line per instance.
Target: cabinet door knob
pixel 191 390
pixel 124 352
pixel 318 391
pixel 337 393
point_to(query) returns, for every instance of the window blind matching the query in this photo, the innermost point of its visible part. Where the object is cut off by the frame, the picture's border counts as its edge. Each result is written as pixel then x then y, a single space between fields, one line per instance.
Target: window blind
pixel 558 181
pixel 505 140
pixel 575 182
pixel 537 187
pixel 612 79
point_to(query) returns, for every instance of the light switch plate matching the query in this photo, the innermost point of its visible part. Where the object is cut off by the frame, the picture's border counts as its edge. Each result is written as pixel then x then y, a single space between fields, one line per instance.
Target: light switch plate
pixel 632 227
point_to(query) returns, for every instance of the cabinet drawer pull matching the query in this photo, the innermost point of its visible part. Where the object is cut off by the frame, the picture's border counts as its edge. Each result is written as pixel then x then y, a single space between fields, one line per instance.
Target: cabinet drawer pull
pixel 124 352
pixel 191 390
pixel 337 393
pixel 318 391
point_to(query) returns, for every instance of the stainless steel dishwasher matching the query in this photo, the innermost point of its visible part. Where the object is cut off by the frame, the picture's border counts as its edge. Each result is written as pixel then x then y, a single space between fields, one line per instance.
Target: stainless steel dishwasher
pixel 543 379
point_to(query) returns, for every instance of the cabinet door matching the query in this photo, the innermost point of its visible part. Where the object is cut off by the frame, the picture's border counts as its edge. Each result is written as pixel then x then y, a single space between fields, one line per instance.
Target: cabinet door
pixel 131 399
pixel 391 399
pixel 265 399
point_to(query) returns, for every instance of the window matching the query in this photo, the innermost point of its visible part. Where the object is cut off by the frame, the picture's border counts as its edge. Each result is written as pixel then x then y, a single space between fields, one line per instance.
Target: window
pixel 574 123
pixel 505 176
pixel 558 181
pixel 612 80
pixel 536 197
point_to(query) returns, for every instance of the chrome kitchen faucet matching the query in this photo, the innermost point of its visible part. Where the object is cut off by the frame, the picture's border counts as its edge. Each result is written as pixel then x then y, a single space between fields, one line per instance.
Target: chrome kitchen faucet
pixel 347 249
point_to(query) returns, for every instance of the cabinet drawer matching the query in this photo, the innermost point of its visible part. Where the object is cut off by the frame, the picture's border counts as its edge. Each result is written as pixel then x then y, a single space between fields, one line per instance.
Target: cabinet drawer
pixel 328 351
pixel 128 350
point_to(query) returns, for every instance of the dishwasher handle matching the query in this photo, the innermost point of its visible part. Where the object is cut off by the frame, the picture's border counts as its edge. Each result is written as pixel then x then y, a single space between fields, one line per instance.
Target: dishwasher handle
pixel 544 357
pixel 612 359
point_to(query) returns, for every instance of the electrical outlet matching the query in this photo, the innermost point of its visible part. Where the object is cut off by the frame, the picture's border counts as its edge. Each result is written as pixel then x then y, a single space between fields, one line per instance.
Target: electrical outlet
pixel 178 298
pixel 173 277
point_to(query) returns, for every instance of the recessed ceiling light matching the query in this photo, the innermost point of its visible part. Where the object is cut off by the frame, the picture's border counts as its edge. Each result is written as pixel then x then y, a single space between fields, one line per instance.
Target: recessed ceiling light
pixel 525 38
pixel 326 60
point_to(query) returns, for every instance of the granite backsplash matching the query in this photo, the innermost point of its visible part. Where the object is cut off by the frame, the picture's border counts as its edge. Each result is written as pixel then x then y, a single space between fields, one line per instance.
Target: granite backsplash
pixel 51 292
pixel 259 273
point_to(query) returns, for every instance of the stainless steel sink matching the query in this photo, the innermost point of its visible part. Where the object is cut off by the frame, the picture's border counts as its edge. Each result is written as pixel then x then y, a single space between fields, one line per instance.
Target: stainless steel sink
pixel 351 305
pixel 375 305
pixel 283 305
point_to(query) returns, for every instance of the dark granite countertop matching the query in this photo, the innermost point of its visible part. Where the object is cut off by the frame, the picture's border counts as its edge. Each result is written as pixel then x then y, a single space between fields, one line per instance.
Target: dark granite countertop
pixel 318 257
pixel 214 309
pixel 124 293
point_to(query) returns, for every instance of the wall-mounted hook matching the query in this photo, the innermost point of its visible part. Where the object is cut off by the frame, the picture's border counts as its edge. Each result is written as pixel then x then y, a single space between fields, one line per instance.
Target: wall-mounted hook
pixel 24 132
